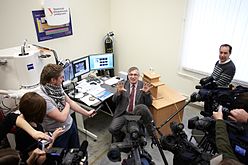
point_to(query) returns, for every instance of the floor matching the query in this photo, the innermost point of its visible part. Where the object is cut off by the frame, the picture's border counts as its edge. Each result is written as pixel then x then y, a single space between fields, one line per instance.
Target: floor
pixel 98 149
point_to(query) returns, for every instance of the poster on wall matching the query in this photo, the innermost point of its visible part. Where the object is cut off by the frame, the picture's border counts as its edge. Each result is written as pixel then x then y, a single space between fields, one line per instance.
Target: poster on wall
pixel 47 32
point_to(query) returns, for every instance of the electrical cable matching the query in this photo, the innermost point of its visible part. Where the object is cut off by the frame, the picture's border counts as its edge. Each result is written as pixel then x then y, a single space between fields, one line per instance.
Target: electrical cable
pixel 7 108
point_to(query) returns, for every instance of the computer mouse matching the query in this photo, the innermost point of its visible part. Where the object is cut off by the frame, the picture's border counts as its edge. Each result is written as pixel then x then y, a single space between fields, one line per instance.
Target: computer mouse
pixel 118 78
pixel 91 98
pixel 93 83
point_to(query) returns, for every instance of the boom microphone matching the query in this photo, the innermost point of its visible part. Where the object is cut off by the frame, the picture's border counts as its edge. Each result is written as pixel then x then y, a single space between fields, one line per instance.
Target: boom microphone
pixel 146 117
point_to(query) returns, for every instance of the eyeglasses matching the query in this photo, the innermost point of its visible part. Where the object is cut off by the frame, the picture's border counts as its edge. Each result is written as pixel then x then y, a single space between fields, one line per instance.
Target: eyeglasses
pixel 133 75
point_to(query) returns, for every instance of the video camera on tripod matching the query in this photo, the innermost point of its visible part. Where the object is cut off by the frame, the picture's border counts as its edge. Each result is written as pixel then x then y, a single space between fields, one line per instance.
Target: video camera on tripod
pixel 215 97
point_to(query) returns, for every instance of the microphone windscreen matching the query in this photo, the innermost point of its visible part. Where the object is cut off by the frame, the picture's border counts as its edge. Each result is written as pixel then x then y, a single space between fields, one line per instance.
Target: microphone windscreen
pixel 146 117
pixel 143 111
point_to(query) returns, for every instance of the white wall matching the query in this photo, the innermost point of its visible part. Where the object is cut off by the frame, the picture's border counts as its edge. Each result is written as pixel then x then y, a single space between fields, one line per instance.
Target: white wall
pixel 90 23
pixel 148 33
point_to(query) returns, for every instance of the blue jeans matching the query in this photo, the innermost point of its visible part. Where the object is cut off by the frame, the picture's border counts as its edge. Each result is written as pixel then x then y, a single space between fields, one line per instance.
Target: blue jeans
pixel 69 139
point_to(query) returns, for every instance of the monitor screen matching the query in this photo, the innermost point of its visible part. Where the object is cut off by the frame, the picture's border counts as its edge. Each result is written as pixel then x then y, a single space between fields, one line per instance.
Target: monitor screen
pixel 101 61
pixel 81 66
pixel 68 72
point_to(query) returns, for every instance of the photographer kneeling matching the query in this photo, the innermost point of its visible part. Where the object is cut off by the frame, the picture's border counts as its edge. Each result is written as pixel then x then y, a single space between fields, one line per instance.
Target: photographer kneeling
pixel 222 140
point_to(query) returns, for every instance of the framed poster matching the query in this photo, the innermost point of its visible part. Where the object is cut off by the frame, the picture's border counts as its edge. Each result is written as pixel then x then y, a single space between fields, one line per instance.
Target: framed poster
pixel 46 32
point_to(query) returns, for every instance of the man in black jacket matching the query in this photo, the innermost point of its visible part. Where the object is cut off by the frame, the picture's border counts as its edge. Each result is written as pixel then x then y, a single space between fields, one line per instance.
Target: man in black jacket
pixel 129 94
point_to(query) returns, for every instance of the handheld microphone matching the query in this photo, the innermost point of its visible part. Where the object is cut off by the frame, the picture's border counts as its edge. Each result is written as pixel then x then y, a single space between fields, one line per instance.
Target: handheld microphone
pixel 146 117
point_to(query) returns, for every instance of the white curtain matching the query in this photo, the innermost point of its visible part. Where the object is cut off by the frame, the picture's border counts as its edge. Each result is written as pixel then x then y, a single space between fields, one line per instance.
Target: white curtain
pixel 210 23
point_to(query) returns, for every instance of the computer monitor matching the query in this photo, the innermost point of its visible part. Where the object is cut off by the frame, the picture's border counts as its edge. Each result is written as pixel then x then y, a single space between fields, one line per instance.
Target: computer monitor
pixel 101 61
pixel 68 72
pixel 81 66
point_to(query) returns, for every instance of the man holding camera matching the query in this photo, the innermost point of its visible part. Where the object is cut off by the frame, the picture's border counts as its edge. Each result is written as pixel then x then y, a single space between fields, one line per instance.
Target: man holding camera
pixel 222 138
pixel 129 93
pixel 224 69
pixel 239 115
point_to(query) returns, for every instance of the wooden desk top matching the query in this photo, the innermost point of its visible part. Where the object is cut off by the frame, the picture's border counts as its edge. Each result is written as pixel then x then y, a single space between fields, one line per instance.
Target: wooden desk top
pixel 169 97
pixel 151 75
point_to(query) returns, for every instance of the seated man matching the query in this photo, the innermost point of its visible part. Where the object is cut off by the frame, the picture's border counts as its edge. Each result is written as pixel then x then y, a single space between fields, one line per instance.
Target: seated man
pixel 224 69
pixel 130 93
pixel 222 75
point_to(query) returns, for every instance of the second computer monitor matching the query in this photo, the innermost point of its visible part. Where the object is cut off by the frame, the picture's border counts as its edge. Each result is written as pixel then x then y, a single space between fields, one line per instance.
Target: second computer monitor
pixel 101 61
pixel 81 66
pixel 68 72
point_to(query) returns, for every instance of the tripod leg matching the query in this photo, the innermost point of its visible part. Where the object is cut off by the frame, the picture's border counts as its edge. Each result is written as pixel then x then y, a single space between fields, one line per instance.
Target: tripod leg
pixel 160 149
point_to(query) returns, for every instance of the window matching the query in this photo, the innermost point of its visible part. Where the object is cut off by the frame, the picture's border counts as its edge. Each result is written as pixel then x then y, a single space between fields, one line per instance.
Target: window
pixel 210 23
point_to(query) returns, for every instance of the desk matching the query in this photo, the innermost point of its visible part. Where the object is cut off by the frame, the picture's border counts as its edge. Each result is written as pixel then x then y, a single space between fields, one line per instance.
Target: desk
pixel 166 105
pixel 80 124
pixel 79 117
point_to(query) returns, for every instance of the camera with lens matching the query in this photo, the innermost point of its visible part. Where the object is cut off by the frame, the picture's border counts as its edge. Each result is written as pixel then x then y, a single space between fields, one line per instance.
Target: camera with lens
pixel 42 144
pixel 73 156
pixel 77 156
pixel 133 144
pixel 204 124
pixel 237 132
pixel 185 152
pixel 213 95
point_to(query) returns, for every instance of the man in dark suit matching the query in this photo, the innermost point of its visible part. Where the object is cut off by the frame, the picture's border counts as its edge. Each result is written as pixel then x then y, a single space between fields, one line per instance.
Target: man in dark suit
pixel 129 93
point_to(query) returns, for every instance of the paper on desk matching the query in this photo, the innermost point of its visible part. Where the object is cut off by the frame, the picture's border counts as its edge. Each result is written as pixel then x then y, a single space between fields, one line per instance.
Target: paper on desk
pixel 104 95
pixel 95 91
pixel 86 100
